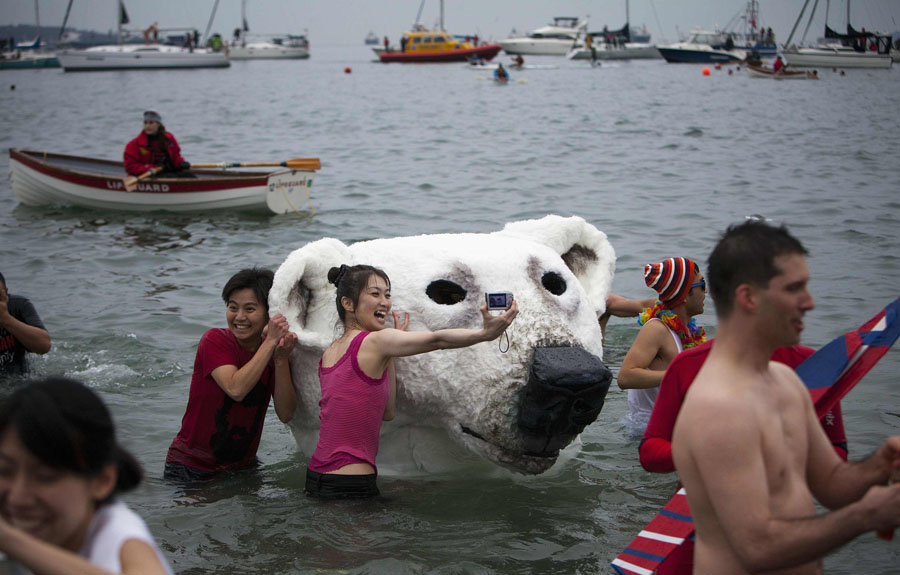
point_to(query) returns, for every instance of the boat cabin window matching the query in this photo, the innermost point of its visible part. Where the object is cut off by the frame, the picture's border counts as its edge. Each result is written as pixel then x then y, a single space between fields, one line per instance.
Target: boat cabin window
pixel 417 40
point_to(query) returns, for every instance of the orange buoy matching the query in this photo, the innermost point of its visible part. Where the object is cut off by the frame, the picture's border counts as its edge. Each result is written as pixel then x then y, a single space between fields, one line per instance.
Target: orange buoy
pixel 705 71
pixel 347 70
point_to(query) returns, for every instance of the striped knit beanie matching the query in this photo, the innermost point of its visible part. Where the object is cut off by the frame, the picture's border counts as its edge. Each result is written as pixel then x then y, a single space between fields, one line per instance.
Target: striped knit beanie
pixel 671 278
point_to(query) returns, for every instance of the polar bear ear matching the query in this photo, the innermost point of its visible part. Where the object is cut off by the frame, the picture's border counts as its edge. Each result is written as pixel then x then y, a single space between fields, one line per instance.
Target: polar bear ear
pixel 584 249
pixel 302 293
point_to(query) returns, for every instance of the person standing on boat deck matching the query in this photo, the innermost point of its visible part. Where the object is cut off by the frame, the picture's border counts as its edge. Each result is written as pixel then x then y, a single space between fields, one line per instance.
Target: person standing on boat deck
pixel 747 444
pixel 155 148
pixel 237 370
pixel 667 328
pixel 359 387
pixel 21 331
pixel 61 471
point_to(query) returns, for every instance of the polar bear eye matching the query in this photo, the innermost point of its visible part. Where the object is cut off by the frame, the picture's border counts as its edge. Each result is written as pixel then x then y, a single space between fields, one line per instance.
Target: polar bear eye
pixel 554 283
pixel 445 292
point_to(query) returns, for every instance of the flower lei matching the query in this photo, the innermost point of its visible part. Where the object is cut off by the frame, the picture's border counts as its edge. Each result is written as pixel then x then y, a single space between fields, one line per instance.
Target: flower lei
pixel 690 336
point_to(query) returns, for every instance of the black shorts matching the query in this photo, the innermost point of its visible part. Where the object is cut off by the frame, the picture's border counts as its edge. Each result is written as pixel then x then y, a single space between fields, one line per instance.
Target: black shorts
pixel 334 486
pixel 180 472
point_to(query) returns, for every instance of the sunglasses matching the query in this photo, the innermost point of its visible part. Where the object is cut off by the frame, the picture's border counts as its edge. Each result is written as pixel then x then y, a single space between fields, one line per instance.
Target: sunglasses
pixel 700 284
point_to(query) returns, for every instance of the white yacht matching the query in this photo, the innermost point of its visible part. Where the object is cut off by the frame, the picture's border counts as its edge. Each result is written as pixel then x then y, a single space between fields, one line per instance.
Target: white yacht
pixel 555 39
pixel 293 46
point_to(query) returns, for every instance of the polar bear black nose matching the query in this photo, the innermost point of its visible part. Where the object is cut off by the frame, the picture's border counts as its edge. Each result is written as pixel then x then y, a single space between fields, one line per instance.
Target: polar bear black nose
pixel 565 393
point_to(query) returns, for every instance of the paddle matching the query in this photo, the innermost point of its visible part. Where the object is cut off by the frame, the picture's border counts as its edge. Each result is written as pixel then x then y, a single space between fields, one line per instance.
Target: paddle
pixel 294 164
pixel 131 182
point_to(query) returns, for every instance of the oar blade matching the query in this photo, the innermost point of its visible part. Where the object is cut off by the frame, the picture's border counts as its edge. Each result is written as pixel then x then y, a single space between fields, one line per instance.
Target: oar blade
pixel 304 164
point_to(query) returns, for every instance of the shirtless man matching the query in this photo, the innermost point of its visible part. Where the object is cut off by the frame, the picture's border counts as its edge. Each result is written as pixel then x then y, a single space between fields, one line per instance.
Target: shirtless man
pixel 747 445
pixel 667 329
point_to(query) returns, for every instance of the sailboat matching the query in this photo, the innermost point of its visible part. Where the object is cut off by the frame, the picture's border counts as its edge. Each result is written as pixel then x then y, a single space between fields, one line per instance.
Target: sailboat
pixel 149 56
pixel 851 50
pixel 29 55
pixel 289 47
pixel 614 45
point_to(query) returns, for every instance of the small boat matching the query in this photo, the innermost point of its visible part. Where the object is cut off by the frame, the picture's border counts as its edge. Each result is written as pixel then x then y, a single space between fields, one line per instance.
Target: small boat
pixel 291 47
pixel 851 50
pixel 42 179
pixel 616 44
pixel 139 57
pixel 555 39
pixel 702 48
pixel 423 45
pixel 148 56
pixel 372 39
pixel 755 71
pixel 31 55
pixel 18 59
pixel 288 47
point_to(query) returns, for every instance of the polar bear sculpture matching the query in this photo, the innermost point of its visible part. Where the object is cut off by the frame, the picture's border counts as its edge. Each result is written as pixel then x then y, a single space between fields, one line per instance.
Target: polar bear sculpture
pixel 455 407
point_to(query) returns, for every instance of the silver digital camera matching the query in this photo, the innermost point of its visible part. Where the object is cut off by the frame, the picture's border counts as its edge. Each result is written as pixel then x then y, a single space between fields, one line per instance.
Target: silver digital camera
pixel 498 300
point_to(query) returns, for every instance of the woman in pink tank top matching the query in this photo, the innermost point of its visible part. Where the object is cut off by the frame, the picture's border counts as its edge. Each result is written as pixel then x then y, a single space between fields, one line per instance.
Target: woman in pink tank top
pixel 356 373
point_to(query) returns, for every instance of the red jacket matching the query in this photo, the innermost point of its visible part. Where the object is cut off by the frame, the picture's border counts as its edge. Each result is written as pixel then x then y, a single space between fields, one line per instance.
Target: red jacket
pixel 141 155
pixel 655 450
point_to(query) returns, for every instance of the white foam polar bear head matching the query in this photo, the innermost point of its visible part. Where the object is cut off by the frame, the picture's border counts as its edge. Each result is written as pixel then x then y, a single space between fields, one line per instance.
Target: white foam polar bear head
pixel 456 407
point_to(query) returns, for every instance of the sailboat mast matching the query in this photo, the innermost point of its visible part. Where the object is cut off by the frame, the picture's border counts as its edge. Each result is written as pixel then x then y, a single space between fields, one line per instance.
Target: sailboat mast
pixel 797 23
pixel 119 22
pixel 62 28
pixel 627 17
pixel 442 15
pixel 37 17
pixel 211 18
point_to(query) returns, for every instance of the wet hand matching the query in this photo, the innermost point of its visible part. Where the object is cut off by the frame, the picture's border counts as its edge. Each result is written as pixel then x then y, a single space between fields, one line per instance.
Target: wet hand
pixel 285 346
pixel 277 327
pixel 494 325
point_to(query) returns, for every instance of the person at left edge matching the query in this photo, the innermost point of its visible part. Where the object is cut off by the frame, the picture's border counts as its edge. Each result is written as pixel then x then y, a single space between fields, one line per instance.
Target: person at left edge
pixel 155 148
pixel 21 331
pixel 237 370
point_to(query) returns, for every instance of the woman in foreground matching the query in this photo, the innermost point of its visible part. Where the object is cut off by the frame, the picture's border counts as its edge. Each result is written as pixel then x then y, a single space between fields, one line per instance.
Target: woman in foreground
pixel 61 471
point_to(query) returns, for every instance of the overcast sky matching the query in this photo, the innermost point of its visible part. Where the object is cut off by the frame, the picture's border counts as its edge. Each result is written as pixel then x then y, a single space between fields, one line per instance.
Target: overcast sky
pixel 348 21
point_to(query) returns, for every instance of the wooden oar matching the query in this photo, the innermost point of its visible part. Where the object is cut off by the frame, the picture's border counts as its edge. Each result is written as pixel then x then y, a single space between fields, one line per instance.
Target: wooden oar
pixel 294 164
pixel 131 182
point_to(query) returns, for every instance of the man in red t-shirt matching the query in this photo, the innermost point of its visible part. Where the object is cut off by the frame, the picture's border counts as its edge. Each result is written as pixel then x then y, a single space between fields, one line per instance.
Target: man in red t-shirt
pixel 236 371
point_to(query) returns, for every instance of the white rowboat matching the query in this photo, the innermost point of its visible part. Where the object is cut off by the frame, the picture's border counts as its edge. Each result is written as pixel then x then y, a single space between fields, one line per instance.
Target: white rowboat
pixel 42 178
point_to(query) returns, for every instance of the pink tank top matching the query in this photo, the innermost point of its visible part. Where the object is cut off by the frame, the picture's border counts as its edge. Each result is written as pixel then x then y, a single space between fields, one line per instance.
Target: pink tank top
pixel 351 410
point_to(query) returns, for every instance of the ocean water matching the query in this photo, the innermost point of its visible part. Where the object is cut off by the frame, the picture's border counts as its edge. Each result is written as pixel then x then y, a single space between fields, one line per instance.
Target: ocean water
pixel 656 155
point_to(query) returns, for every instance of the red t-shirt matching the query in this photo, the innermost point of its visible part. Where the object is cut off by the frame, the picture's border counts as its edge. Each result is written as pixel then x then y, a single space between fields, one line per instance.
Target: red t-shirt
pixel 656 446
pixel 217 432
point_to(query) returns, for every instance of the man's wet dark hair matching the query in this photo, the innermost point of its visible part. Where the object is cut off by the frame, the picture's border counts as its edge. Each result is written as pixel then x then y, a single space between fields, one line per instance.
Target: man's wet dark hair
pixel 67 426
pixel 746 255
pixel 257 279
pixel 350 281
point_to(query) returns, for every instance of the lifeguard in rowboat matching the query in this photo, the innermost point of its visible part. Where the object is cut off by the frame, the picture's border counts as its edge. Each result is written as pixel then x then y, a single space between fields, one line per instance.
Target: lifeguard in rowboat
pixel 155 149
